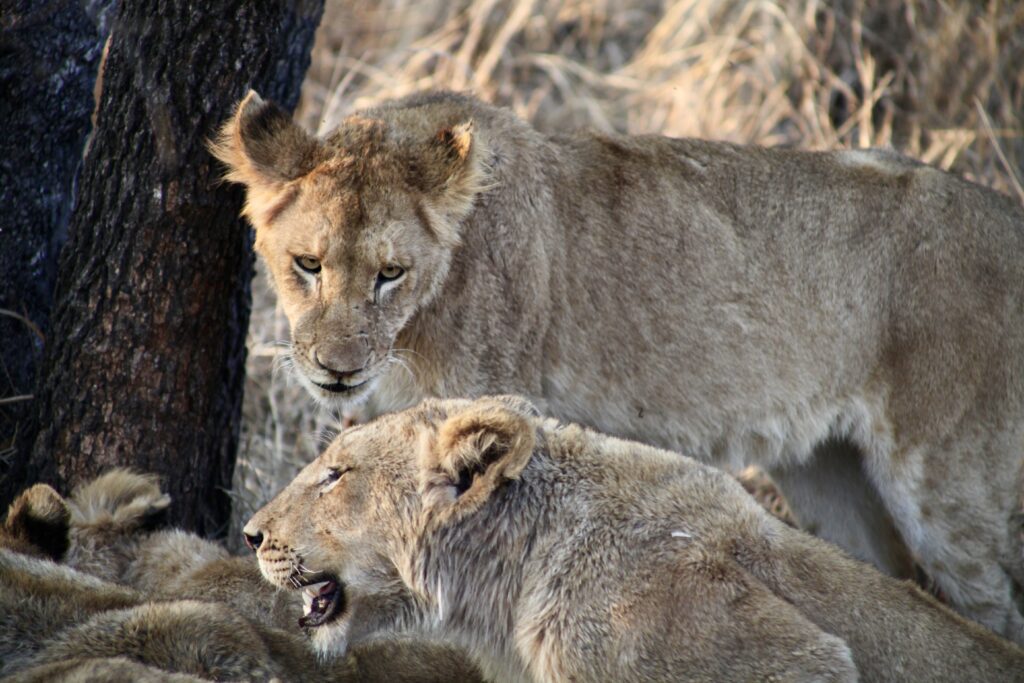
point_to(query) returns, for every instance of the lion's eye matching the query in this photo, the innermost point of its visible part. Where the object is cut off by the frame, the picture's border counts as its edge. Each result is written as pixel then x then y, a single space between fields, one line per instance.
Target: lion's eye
pixel 389 273
pixel 309 264
pixel 334 474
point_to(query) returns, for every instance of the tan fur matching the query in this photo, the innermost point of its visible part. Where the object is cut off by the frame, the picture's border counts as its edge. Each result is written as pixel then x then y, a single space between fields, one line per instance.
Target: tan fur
pixel 98 670
pixel 39 598
pixel 107 514
pixel 203 639
pixel 739 304
pixel 172 601
pixel 591 559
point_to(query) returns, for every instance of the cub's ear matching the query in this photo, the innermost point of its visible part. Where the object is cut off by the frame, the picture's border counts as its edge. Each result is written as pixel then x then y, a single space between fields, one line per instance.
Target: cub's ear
pixel 264 149
pixel 450 172
pixel 119 499
pixel 473 453
pixel 37 523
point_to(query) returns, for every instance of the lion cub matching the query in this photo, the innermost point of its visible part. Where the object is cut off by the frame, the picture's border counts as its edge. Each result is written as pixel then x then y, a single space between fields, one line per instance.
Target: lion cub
pixel 851 321
pixel 553 553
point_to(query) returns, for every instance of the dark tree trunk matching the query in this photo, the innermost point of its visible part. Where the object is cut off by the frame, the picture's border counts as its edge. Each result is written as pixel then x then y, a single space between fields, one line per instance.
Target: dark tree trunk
pixel 144 363
pixel 49 51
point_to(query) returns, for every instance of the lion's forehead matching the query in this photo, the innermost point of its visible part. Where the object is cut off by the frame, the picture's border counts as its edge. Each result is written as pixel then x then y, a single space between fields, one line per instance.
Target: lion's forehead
pixel 389 445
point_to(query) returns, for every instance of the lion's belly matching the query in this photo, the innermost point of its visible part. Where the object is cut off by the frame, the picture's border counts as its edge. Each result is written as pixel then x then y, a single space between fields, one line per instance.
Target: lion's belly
pixel 734 431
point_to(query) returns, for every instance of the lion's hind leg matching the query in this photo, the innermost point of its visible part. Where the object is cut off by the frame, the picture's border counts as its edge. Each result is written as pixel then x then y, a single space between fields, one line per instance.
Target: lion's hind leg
pixel 956 508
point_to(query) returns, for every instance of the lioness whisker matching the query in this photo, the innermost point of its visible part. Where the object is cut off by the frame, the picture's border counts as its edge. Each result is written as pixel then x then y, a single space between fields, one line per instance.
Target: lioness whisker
pixel 283 362
pixel 413 352
pixel 402 363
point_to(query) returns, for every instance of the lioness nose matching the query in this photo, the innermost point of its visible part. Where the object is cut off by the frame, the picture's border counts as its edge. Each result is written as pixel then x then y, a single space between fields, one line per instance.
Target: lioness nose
pixel 253 540
pixel 326 365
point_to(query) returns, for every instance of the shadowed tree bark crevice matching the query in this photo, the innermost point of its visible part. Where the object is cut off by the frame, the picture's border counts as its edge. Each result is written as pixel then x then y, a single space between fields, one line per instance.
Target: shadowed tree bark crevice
pixel 145 359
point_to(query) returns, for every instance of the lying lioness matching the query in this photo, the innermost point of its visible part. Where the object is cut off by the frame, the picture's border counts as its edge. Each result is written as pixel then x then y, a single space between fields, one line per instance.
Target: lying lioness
pixel 734 303
pixel 553 553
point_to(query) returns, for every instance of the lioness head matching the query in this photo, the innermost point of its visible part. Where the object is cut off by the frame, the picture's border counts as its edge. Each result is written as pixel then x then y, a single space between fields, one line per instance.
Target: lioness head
pixel 357 229
pixel 349 530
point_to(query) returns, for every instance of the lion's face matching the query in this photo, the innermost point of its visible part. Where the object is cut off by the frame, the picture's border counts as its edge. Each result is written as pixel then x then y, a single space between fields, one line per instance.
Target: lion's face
pixel 349 281
pixel 332 531
pixel 357 230
pixel 349 529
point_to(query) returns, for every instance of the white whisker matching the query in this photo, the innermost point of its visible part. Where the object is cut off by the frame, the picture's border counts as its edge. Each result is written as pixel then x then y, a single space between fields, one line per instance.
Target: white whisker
pixel 397 351
pixel 402 363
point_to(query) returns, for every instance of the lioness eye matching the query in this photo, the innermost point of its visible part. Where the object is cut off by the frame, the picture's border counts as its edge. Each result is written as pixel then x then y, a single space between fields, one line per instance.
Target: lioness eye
pixel 389 273
pixel 308 263
pixel 334 474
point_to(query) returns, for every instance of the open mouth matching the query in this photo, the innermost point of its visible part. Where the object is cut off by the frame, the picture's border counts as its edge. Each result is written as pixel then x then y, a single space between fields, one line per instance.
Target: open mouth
pixel 339 387
pixel 322 602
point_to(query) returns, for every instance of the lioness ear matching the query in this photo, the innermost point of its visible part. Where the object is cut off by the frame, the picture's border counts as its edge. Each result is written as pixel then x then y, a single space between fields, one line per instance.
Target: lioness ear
pixel 473 453
pixel 451 174
pixel 39 517
pixel 263 150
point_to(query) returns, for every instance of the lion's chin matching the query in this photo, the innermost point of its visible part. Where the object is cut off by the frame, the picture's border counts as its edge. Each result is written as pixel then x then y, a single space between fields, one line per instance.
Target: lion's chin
pixel 338 395
pixel 331 640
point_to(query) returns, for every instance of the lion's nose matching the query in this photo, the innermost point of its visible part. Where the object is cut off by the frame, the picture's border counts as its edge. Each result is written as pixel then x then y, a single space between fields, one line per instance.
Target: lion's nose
pixel 253 540
pixel 331 367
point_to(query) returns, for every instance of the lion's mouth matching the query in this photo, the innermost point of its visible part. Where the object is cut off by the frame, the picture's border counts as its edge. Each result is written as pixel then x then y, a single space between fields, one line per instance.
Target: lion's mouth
pixel 340 387
pixel 322 602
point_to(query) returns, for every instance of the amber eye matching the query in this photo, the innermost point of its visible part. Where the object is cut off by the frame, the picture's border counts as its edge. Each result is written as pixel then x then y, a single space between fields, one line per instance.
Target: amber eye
pixel 390 272
pixel 308 263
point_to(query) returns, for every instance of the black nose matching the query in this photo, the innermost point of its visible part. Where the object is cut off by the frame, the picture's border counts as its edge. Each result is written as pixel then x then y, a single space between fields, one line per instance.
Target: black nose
pixel 253 540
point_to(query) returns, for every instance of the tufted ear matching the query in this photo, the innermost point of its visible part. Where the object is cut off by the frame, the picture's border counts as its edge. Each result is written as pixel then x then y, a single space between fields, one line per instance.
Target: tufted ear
pixel 450 171
pixel 473 453
pixel 264 150
pixel 37 523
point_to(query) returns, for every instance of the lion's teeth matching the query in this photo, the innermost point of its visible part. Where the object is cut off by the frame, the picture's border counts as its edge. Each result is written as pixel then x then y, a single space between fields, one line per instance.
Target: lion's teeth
pixel 309 594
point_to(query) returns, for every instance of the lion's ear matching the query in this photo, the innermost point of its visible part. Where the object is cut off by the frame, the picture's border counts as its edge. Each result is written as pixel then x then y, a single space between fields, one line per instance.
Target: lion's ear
pixel 451 173
pixel 39 517
pixel 264 149
pixel 474 452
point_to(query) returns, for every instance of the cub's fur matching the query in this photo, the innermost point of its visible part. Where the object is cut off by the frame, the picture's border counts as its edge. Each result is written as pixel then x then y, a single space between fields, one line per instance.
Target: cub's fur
pixel 553 553
pixel 734 303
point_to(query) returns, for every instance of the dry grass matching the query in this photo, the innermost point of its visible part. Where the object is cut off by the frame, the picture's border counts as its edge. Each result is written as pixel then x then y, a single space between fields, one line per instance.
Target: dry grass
pixel 936 79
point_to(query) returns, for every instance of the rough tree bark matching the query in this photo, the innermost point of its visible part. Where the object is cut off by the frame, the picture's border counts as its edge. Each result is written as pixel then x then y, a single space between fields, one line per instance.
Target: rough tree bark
pixel 49 52
pixel 144 364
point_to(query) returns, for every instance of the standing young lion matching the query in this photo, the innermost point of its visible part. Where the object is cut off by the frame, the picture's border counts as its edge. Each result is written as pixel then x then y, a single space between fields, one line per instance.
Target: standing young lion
pixel 735 303
pixel 556 554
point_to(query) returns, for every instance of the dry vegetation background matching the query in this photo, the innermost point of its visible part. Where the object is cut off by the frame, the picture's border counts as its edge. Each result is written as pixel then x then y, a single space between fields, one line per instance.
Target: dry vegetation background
pixel 940 81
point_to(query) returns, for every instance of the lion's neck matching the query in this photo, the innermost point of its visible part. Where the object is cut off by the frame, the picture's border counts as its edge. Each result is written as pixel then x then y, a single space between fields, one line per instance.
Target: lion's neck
pixel 474 573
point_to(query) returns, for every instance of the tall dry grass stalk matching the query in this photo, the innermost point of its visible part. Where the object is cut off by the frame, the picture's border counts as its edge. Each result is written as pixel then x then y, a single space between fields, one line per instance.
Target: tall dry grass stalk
pixel 939 80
